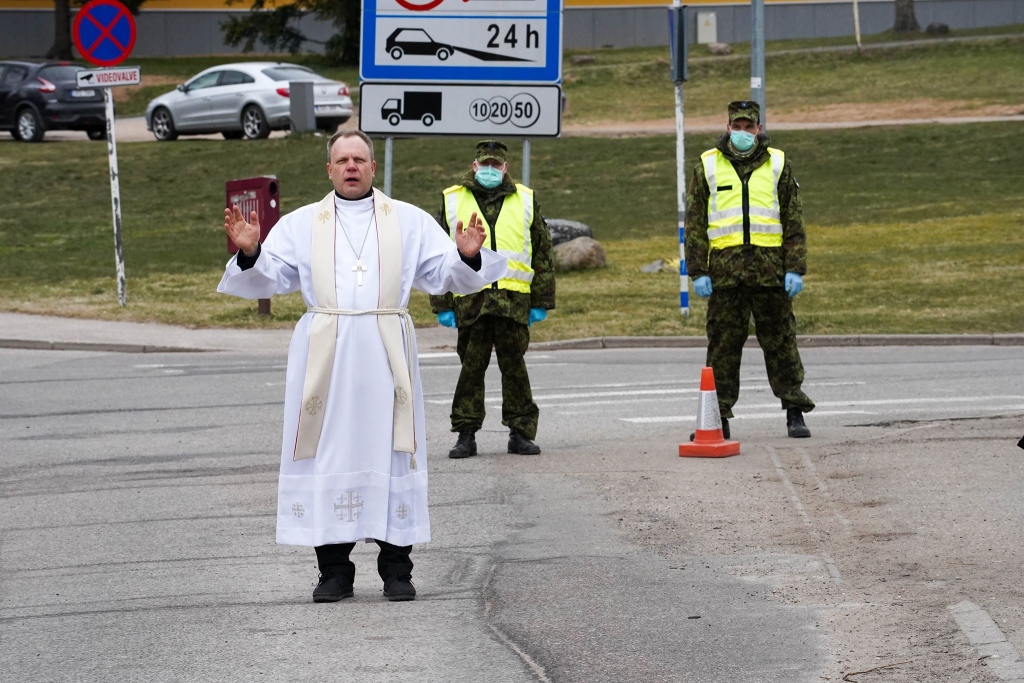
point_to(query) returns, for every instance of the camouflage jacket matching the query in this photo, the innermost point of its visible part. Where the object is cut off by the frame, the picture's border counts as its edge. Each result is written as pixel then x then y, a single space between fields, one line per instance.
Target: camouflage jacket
pixel 494 301
pixel 745 264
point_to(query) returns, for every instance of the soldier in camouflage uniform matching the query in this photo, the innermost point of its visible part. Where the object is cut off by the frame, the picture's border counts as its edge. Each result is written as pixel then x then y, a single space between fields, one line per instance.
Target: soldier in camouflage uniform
pixel 498 317
pixel 746 249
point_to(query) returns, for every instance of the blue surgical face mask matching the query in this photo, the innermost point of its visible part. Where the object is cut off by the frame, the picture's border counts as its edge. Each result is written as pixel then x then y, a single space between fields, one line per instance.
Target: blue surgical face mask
pixel 489 177
pixel 742 140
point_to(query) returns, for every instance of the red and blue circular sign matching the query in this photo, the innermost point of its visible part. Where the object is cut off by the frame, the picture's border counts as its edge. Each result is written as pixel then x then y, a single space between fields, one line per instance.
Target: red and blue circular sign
pixel 104 32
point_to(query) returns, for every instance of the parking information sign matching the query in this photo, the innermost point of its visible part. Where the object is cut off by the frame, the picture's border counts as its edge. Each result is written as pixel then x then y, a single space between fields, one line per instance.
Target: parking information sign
pixel 421 109
pixel 494 41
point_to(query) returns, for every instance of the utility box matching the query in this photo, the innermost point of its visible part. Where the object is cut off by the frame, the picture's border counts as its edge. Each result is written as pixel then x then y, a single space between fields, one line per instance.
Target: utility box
pixel 301 109
pixel 262 195
pixel 707 28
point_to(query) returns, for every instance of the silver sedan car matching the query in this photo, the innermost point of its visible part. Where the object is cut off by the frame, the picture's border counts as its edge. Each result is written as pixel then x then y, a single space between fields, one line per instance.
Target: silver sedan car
pixel 247 99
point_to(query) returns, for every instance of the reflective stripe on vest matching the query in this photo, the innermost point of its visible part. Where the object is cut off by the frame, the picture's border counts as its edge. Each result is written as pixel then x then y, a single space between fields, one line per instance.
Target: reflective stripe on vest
pixel 725 203
pixel 512 232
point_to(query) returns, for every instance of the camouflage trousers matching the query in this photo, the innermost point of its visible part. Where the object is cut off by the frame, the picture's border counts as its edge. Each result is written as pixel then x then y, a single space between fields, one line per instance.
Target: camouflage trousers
pixel 509 340
pixel 729 312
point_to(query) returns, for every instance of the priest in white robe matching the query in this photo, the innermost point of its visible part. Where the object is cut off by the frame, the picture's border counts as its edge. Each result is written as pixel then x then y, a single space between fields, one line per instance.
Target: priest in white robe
pixel 353 454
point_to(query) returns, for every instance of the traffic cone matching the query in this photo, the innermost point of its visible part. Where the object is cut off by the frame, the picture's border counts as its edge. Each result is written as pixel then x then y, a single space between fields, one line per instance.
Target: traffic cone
pixel 708 441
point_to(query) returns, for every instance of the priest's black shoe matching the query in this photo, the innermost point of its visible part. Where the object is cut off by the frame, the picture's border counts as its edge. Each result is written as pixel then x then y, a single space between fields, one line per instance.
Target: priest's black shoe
pixel 795 424
pixel 399 589
pixel 332 589
pixel 725 430
pixel 464 447
pixel 519 444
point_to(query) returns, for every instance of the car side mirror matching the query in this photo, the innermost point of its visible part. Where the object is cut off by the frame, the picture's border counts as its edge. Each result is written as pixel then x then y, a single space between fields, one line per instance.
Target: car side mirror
pixel 182 88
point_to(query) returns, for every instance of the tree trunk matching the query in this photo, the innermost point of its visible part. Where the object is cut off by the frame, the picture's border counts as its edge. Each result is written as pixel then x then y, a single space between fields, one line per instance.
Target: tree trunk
pixel 906 21
pixel 61 48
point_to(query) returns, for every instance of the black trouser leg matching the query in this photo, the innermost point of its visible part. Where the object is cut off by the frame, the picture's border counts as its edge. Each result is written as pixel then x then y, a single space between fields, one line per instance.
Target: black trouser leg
pixel 334 561
pixel 518 410
pixel 775 326
pixel 474 348
pixel 393 560
pixel 728 326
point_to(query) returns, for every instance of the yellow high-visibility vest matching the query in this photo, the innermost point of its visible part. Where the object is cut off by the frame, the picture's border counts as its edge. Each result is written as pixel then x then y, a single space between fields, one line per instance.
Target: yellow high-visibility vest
pixel 725 205
pixel 511 234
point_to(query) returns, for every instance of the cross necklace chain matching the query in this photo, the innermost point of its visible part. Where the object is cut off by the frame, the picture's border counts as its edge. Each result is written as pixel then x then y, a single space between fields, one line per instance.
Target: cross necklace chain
pixel 358 268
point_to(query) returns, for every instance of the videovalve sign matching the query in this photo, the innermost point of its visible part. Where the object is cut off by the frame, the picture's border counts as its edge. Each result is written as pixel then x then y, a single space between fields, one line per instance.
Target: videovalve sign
pixel 427 109
pixel 106 78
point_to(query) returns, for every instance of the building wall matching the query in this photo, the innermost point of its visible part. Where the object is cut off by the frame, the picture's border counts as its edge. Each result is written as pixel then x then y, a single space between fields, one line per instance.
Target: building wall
pixel 29 32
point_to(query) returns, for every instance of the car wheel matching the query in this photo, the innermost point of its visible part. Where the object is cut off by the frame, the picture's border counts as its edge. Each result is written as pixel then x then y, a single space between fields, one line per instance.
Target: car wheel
pixel 163 125
pixel 427 120
pixel 232 134
pixel 443 54
pixel 28 126
pixel 97 134
pixel 396 53
pixel 254 123
pixel 394 119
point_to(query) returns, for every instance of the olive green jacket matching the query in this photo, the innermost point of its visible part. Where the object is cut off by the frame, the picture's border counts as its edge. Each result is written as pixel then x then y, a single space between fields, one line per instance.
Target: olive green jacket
pixel 746 264
pixel 494 301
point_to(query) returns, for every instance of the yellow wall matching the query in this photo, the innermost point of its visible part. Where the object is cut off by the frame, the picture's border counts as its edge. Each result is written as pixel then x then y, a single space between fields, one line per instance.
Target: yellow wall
pixel 222 4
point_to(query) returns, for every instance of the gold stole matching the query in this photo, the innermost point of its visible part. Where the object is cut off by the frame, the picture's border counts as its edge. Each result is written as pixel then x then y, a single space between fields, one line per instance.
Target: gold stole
pixel 323 330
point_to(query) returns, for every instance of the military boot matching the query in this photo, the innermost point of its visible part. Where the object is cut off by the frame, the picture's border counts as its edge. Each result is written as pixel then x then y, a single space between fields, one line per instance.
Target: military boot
pixel 332 589
pixel 725 430
pixel 464 447
pixel 795 424
pixel 519 444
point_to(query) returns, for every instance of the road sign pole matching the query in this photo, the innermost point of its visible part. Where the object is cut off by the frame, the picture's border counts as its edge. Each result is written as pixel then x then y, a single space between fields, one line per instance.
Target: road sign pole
pixel 757 80
pixel 526 161
pixel 115 196
pixel 389 157
pixel 680 61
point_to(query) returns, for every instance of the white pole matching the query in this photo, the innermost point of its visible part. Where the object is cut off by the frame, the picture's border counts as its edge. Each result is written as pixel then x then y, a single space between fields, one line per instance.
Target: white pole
pixel 526 161
pixel 757 75
pixel 684 279
pixel 389 155
pixel 856 22
pixel 115 197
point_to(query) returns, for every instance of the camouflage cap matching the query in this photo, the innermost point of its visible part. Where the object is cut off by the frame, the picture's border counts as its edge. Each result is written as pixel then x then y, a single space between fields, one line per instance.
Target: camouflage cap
pixel 491 149
pixel 745 109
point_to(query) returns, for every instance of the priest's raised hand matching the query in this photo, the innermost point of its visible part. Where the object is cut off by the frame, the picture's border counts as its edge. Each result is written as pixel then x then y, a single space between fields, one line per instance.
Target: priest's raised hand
pixel 246 236
pixel 468 239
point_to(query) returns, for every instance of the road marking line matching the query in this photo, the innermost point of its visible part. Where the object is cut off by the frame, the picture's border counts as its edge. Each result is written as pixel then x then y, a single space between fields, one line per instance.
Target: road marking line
pixel 1000 656
pixel 748 416
pixel 829 562
pixel 825 492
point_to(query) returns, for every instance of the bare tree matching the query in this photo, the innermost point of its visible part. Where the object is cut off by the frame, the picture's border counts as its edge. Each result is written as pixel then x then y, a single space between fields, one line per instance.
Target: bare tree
pixel 906 21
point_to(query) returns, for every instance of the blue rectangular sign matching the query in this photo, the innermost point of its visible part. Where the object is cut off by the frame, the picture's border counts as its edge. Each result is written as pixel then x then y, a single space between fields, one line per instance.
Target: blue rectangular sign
pixel 493 41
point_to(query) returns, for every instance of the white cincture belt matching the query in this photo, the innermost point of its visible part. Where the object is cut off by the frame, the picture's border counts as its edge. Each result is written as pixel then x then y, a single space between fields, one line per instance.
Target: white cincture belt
pixel 402 313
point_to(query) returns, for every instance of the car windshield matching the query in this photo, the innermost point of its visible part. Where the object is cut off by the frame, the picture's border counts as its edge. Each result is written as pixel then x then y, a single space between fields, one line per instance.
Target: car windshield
pixel 289 73
pixel 57 74
pixel 414 36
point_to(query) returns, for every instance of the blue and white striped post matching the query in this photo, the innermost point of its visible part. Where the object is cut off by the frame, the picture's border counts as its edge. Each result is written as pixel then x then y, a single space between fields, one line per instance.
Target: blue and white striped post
pixel 678 47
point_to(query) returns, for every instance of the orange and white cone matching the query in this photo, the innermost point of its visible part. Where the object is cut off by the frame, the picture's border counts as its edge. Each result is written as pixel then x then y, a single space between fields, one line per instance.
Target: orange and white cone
pixel 708 441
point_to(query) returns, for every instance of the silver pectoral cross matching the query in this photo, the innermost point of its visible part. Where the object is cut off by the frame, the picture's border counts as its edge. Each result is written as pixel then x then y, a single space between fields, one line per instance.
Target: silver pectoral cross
pixel 359 269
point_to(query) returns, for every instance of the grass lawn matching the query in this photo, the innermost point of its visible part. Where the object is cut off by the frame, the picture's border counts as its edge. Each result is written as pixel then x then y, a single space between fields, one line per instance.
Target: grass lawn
pixel 915 229
pixel 632 84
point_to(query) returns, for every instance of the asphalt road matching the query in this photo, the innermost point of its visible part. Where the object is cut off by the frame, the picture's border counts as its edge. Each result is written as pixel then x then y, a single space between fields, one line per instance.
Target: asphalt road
pixel 137 530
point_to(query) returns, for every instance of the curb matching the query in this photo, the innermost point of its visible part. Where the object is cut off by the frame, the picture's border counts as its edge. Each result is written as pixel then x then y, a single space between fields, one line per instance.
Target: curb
pixel 806 341
pixel 95 346
pixel 595 343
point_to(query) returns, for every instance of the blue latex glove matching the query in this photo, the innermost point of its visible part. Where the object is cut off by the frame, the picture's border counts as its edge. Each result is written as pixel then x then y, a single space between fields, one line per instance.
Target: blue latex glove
pixel 446 318
pixel 794 284
pixel 537 315
pixel 702 286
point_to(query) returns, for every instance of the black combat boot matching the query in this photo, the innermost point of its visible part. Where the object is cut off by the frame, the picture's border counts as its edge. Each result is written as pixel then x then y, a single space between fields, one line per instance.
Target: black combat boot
pixel 725 430
pixel 332 589
pixel 399 588
pixel 795 424
pixel 464 447
pixel 519 444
